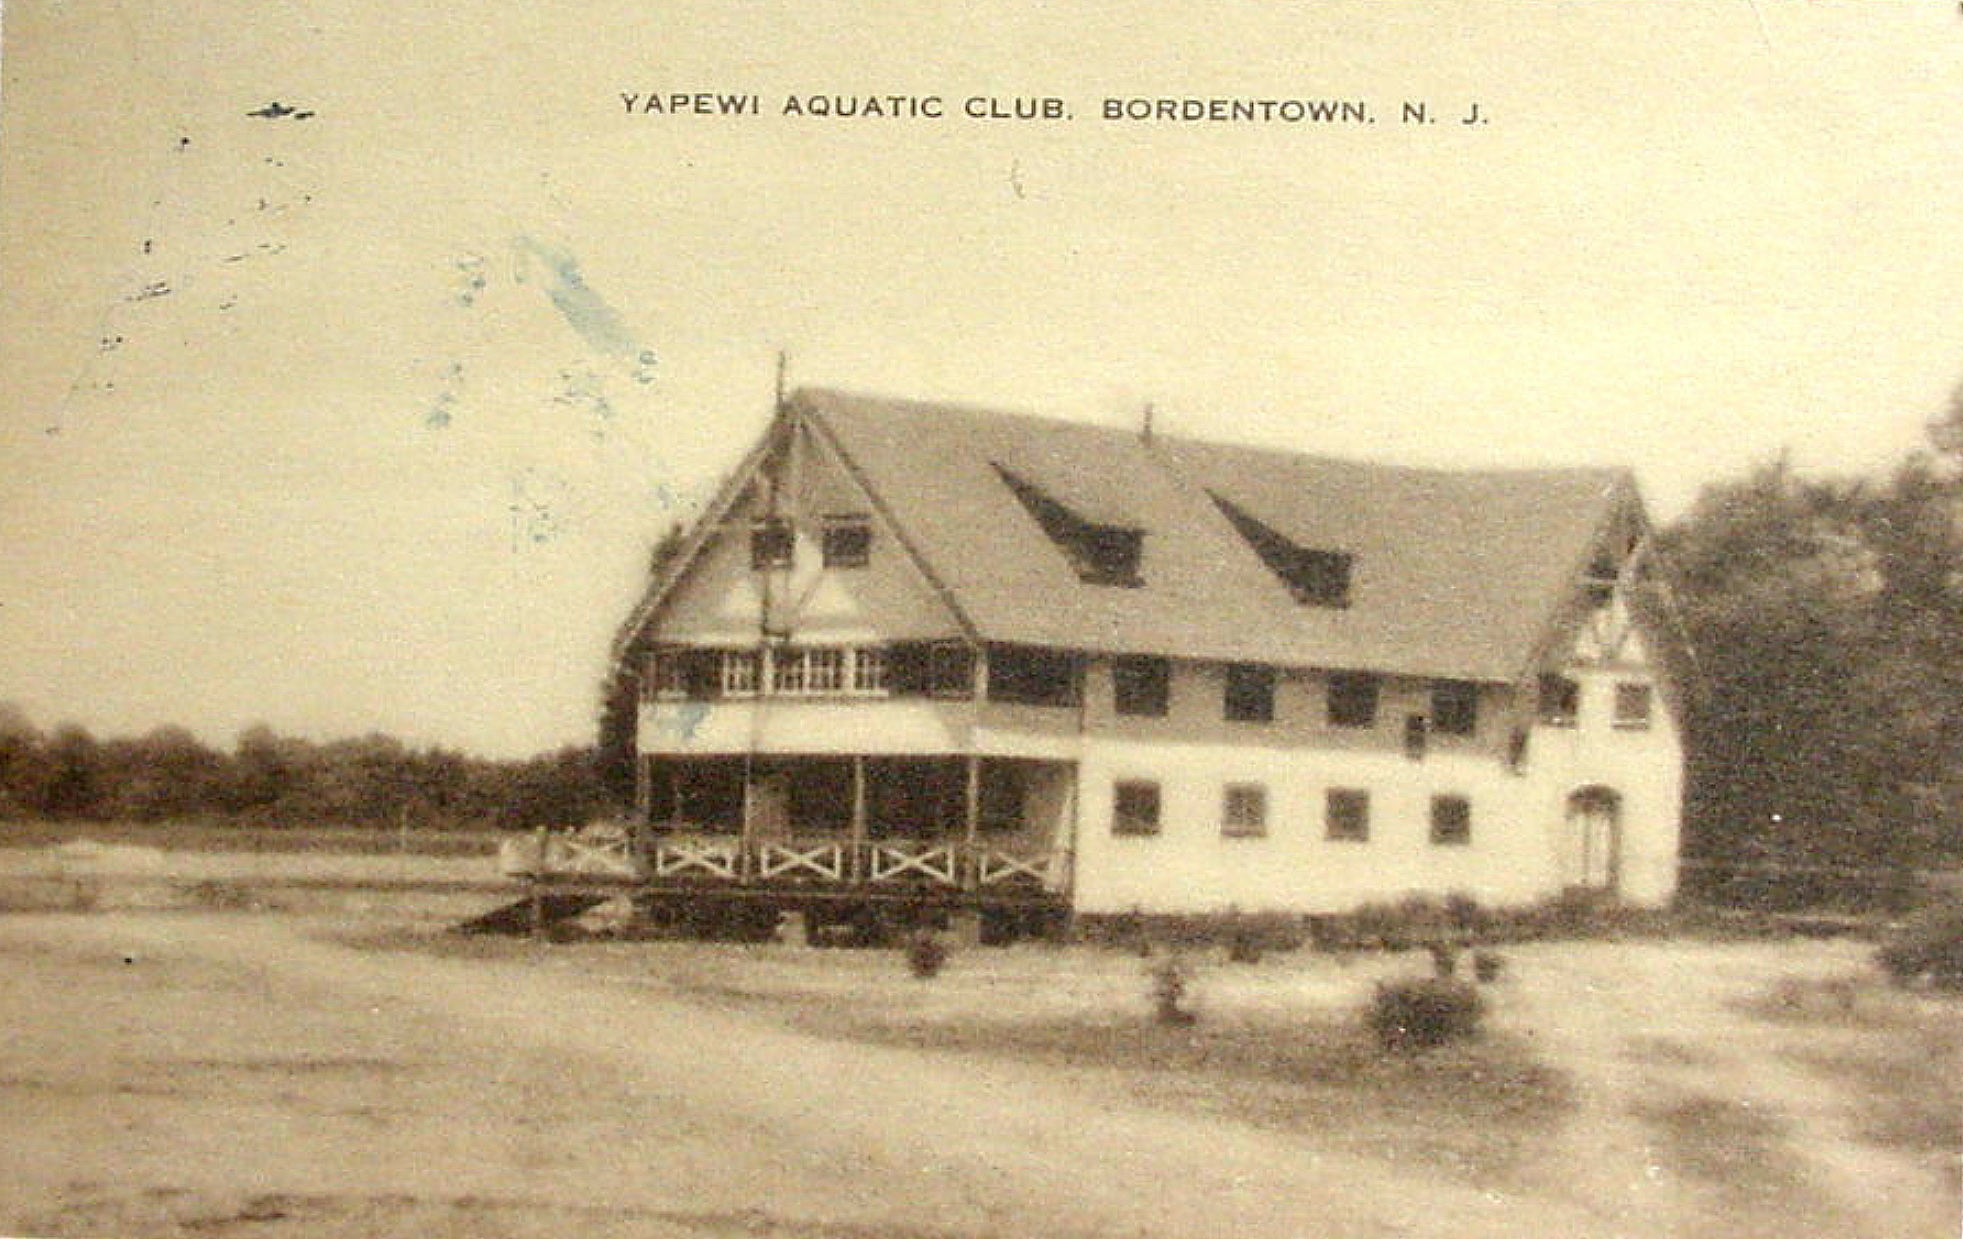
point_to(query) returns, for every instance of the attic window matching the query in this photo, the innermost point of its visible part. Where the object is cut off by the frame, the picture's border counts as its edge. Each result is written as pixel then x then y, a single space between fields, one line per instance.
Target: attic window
pixel 1317 578
pixel 1100 554
pixel 771 543
pixel 847 542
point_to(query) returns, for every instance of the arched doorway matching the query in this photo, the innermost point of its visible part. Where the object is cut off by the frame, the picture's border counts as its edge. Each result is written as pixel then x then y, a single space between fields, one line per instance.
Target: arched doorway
pixel 1594 835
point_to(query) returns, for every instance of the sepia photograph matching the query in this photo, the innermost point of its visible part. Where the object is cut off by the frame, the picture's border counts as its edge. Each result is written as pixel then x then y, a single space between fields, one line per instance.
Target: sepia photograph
pixel 838 621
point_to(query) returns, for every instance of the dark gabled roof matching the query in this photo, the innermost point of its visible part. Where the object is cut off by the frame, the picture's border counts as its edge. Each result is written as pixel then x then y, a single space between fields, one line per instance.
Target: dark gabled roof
pixel 1454 574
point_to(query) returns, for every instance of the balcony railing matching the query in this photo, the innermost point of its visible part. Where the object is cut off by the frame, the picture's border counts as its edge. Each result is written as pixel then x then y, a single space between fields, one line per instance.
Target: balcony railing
pixel 885 864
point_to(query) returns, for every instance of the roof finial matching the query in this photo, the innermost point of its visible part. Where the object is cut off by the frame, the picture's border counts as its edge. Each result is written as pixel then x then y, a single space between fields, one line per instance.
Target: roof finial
pixel 1145 430
pixel 783 362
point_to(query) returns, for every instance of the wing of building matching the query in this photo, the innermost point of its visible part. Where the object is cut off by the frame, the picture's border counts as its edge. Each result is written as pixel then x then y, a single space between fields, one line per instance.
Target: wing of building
pixel 938 647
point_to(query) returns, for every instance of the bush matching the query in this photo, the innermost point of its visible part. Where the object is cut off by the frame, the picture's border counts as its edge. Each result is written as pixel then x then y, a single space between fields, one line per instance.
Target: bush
pixel 1928 948
pixel 1170 982
pixel 1487 966
pixel 1464 914
pixel 1444 958
pixel 926 954
pixel 1424 1013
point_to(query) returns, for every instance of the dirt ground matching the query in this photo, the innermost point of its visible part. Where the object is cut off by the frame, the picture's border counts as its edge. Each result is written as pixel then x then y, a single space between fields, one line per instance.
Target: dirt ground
pixel 204 1073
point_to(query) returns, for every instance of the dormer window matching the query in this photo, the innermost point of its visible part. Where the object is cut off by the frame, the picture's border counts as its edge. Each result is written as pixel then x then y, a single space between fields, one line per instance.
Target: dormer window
pixel 1315 578
pixel 847 541
pixel 771 544
pixel 1100 553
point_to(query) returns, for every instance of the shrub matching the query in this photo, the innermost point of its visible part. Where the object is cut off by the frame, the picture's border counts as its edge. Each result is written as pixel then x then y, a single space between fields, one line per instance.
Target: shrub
pixel 1487 966
pixel 926 954
pixel 1929 947
pixel 1464 914
pixel 1424 1013
pixel 1253 936
pixel 1444 958
pixel 1170 982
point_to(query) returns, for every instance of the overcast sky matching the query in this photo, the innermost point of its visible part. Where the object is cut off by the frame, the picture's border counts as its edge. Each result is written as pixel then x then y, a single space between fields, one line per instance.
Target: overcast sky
pixel 362 415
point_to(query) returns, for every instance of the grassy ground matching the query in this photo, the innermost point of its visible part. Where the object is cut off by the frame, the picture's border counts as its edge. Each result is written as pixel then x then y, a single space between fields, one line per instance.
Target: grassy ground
pixel 1665 1087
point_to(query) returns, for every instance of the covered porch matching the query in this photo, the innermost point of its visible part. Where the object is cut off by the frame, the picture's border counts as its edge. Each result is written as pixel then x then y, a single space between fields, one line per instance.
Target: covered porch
pixel 988 825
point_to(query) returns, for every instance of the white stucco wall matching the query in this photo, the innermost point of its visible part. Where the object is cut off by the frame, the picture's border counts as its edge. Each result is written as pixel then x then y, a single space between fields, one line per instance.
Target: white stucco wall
pixel 1520 834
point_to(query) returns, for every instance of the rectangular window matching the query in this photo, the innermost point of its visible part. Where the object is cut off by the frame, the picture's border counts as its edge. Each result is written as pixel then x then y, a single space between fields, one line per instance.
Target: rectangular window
pixel 868 669
pixel 1141 685
pixel 670 675
pixel 936 668
pixel 787 670
pixel 1415 736
pixel 1244 811
pixel 1135 808
pixel 1352 699
pixel 1346 815
pixel 1250 693
pixel 1451 820
pixel 771 543
pixel 847 542
pixel 1454 707
pixel 1560 701
pixel 1028 675
pixel 739 672
pixel 1632 706
pixel 824 670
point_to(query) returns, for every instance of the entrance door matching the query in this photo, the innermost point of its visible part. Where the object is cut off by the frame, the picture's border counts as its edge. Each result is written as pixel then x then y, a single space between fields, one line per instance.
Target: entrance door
pixel 1595 838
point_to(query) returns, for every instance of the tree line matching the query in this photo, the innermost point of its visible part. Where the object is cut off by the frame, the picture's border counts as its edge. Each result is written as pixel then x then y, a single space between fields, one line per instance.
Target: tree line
pixel 1821 654
pixel 373 781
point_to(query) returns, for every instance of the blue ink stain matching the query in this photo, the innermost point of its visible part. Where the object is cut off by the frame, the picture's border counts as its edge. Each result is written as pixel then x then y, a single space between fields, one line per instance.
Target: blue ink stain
pixel 688 717
pixel 584 310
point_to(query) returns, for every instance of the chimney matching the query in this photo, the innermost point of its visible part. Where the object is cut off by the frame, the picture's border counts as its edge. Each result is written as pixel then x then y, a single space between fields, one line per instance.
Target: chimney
pixel 1145 430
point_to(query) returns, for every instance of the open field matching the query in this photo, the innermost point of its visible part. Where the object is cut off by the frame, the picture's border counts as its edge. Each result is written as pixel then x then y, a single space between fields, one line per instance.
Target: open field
pixel 197 1072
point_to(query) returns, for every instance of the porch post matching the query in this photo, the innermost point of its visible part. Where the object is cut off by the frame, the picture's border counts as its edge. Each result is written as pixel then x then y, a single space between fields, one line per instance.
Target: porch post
pixel 974 800
pixel 858 840
pixel 643 788
pixel 748 824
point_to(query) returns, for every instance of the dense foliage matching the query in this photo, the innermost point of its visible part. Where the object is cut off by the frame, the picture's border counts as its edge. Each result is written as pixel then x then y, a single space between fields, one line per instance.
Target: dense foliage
pixel 1825 618
pixel 373 781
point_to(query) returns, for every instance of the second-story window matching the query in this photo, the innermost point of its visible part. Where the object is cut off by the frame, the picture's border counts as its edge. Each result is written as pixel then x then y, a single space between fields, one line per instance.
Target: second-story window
pixel 739 672
pixel 1352 699
pixel 1140 685
pixel 1454 707
pixel 1560 701
pixel 1250 695
pixel 868 669
pixel 1632 707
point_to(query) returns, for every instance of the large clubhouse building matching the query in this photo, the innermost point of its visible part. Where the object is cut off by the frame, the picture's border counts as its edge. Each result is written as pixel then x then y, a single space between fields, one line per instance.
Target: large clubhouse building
pixel 917 646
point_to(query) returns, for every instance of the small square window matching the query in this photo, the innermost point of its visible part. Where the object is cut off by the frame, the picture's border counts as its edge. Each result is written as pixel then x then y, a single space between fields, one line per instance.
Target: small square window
pixel 1140 686
pixel 771 544
pixel 1346 815
pixel 1454 708
pixel 1135 808
pixel 1250 693
pixel 847 542
pixel 1632 706
pixel 1244 811
pixel 1352 699
pixel 1560 701
pixel 1451 820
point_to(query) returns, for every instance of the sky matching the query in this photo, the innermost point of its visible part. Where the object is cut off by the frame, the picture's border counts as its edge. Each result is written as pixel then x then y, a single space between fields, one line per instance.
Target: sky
pixel 352 356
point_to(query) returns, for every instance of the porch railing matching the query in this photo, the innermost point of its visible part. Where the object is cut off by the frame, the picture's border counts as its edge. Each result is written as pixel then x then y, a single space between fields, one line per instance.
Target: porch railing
pixel 818 863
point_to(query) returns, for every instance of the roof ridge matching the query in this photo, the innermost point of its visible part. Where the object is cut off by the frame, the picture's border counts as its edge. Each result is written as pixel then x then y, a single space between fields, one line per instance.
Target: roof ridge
pixel 804 394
